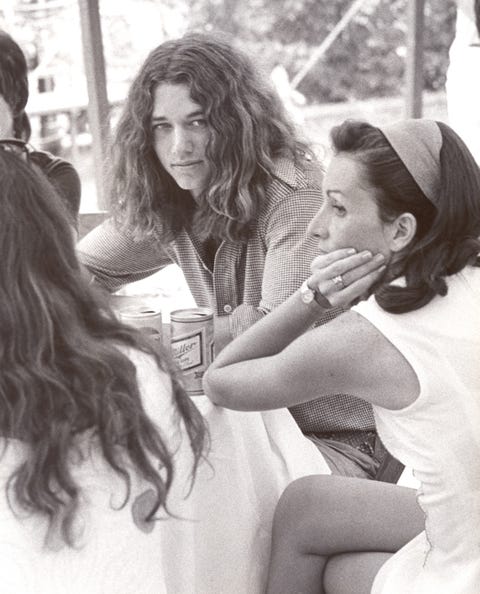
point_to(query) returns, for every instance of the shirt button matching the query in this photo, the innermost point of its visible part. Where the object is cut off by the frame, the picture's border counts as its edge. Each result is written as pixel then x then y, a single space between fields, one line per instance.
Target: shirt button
pixel 227 308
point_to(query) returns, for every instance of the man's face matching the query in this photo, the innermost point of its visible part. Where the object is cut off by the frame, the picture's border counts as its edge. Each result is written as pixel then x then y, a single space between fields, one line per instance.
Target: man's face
pixel 181 135
pixel 6 119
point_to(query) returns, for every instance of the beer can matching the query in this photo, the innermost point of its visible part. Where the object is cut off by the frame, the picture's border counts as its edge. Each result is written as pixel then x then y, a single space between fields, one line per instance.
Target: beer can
pixel 192 341
pixel 145 318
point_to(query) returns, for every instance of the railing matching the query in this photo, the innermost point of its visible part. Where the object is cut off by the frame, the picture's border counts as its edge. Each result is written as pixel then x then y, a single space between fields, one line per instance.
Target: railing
pixel 72 106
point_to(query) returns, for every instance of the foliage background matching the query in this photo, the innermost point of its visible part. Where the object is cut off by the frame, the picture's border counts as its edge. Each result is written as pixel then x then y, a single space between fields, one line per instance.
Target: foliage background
pixel 366 60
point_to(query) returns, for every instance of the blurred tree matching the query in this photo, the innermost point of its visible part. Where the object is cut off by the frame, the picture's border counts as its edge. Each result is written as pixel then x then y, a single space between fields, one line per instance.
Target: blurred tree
pixel 366 60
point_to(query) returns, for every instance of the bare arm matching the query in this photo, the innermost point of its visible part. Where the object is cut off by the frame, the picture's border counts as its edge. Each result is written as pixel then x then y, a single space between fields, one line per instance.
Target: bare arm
pixel 278 363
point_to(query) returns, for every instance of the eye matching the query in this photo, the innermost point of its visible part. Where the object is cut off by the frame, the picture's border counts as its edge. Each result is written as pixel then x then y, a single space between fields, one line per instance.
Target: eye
pixel 198 123
pixel 161 126
pixel 339 209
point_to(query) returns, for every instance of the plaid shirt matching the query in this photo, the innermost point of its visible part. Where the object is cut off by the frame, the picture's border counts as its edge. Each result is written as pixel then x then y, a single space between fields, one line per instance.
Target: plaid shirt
pixel 248 278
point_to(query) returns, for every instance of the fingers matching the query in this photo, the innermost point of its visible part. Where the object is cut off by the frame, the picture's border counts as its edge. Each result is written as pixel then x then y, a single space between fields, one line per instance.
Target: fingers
pixel 343 276
pixel 350 267
pixel 357 288
pixel 358 268
pixel 324 260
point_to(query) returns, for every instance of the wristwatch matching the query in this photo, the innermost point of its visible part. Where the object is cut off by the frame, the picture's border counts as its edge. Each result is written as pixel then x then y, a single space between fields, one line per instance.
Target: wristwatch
pixel 307 294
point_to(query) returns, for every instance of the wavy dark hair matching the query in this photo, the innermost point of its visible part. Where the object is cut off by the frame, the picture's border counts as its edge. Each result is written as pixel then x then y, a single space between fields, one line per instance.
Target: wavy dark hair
pixel 248 127
pixel 62 370
pixel 446 239
pixel 14 84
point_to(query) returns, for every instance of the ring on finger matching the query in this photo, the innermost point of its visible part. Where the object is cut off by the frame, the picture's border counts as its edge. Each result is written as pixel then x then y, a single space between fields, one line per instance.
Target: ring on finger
pixel 338 281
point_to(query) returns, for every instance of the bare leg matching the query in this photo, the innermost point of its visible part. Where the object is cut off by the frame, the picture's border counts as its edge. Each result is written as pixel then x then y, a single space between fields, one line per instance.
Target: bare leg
pixel 320 516
pixel 352 573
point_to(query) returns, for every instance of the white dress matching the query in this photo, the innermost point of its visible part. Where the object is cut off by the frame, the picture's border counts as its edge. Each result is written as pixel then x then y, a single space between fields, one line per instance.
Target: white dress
pixel 439 437
pixel 219 541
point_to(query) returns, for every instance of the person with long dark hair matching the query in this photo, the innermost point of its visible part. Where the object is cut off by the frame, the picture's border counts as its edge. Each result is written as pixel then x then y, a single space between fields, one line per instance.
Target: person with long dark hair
pixel 112 479
pixel 209 173
pixel 15 129
pixel 400 227
pixel 96 433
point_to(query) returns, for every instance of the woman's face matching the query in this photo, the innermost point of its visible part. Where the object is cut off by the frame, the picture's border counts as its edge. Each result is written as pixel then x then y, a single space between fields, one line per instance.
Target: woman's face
pixel 349 216
pixel 180 136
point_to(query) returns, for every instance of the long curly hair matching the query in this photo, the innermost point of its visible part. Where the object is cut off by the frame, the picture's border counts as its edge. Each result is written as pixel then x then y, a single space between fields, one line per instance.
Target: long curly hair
pixel 62 369
pixel 248 127
pixel 447 235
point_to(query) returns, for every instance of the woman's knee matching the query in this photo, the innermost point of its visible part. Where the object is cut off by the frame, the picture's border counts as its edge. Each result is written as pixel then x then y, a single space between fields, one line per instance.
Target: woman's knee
pixel 301 505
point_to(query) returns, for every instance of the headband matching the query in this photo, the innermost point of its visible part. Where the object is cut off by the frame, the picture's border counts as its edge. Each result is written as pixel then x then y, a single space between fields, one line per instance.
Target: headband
pixel 418 144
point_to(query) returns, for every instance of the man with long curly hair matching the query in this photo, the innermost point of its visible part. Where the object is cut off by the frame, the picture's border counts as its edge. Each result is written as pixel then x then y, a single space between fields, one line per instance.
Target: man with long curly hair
pixel 210 174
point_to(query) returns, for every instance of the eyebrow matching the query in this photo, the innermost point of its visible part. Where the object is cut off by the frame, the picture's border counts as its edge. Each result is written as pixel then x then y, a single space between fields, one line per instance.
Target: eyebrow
pixel 189 116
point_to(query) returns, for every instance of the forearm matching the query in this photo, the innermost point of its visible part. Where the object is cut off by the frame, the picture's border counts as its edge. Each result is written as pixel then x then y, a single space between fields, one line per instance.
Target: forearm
pixel 239 376
pixel 115 259
pixel 271 334
pixel 267 366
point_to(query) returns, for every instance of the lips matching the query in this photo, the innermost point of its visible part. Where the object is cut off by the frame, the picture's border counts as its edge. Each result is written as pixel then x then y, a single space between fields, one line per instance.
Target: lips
pixel 186 164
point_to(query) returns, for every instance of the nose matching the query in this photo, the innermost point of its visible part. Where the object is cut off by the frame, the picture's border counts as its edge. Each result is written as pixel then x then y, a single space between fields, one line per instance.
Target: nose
pixel 317 227
pixel 182 143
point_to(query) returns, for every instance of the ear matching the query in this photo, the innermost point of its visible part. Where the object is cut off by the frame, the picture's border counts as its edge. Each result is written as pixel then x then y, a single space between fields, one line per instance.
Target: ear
pixel 402 231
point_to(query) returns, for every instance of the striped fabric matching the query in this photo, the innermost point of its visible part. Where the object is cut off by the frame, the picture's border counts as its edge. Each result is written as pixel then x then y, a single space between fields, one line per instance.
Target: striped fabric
pixel 248 279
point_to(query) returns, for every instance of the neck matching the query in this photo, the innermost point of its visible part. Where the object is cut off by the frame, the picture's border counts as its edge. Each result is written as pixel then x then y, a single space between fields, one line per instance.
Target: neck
pixel 196 195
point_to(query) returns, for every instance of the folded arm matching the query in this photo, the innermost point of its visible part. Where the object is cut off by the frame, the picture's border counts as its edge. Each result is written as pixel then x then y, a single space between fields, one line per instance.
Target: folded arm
pixel 277 363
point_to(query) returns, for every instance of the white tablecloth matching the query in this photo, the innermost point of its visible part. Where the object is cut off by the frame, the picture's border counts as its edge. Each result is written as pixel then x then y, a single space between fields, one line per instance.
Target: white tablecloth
pixel 253 457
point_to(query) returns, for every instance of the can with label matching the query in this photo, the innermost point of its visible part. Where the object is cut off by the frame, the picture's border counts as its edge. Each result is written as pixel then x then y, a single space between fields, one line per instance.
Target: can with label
pixel 145 318
pixel 192 341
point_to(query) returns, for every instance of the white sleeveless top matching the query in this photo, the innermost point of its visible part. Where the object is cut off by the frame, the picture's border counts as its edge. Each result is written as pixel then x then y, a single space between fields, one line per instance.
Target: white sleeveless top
pixel 218 540
pixel 438 436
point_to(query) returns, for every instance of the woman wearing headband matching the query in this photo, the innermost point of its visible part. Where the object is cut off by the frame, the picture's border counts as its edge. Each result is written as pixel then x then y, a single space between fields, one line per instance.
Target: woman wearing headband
pixel 208 173
pixel 401 222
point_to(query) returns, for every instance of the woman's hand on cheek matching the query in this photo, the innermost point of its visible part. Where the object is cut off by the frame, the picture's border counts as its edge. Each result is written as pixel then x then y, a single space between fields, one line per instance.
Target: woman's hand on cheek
pixel 343 276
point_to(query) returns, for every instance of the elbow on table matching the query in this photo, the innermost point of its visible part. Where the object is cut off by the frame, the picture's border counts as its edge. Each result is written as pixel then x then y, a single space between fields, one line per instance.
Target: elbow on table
pixel 216 389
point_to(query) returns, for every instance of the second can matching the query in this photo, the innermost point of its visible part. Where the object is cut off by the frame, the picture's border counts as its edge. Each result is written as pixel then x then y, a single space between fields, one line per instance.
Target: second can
pixel 192 340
